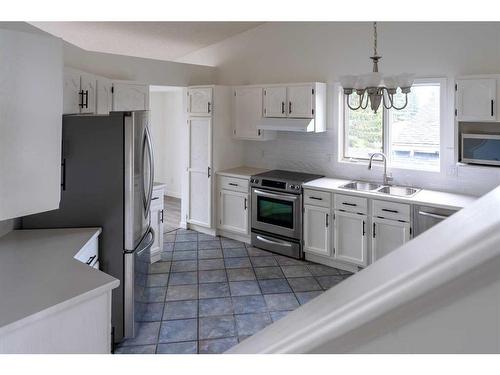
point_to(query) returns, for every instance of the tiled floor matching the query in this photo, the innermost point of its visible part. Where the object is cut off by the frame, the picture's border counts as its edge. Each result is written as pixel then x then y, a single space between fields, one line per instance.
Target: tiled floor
pixel 172 213
pixel 208 293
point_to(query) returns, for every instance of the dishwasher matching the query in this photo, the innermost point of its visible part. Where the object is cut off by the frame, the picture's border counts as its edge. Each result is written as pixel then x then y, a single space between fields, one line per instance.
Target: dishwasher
pixel 425 217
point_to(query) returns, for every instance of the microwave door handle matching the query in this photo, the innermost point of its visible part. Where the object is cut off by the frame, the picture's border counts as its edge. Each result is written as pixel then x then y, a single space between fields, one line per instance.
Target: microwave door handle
pixel 273 195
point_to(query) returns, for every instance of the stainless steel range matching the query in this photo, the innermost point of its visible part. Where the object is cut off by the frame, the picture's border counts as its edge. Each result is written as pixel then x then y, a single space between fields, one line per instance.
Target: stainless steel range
pixel 277 211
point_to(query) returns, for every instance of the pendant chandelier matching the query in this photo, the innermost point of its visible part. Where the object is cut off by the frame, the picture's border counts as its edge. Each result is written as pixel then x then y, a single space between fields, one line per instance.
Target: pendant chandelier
pixel 374 88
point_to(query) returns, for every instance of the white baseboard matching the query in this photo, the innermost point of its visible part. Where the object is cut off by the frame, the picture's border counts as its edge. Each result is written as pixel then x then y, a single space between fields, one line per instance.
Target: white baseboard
pixel 234 236
pixel 330 262
pixel 199 228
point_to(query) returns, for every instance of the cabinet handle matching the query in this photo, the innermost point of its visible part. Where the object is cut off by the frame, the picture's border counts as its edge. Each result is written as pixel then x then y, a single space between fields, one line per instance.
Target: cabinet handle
pixel 86 98
pixel 162 216
pixel 91 259
pixel 374 230
pixel 209 172
pixel 208 107
pixel 259 132
pixel 364 232
pixel 246 204
pixel 155 198
pixel 282 108
pixel 349 204
pixel 492 105
pixel 63 174
pixel 327 217
pixel 316 198
pixel 387 210
pixel 80 94
pixel 289 107
pixel 233 184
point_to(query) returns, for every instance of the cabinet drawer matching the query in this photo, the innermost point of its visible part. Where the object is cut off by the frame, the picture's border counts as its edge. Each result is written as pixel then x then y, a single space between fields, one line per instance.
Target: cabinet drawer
pixel 391 210
pixel 234 184
pixel 157 198
pixel 317 198
pixel 350 203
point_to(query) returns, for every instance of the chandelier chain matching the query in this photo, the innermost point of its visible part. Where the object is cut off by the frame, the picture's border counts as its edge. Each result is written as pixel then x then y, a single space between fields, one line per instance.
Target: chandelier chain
pixel 375 39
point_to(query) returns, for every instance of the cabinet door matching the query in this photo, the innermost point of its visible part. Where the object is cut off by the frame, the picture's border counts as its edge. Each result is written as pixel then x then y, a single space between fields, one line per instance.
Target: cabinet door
pixel 130 97
pixel 476 100
pixel 317 230
pixel 300 101
pixel 89 89
pixel 275 102
pixel 233 211
pixel 200 171
pixel 200 101
pixel 71 92
pixel 247 112
pixel 388 235
pixel 156 224
pixel 104 96
pixel 350 238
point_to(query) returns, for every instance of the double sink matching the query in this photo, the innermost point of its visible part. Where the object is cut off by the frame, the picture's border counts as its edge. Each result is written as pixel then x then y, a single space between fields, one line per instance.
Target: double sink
pixel 400 191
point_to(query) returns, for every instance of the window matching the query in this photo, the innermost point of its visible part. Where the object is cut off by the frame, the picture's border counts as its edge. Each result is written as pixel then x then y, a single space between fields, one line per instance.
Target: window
pixel 409 137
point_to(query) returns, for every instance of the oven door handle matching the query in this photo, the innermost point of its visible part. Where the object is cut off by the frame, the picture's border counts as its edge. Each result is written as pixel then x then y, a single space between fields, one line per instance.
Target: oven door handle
pixel 274 242
pixel 272 195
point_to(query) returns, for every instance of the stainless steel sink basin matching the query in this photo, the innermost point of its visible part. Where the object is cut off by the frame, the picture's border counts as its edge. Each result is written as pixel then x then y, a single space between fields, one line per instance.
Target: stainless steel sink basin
pixel 361 185
pixel 401 191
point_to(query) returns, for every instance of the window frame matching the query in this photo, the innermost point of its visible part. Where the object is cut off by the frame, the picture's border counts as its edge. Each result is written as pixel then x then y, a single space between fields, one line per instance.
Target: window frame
pixel 386 128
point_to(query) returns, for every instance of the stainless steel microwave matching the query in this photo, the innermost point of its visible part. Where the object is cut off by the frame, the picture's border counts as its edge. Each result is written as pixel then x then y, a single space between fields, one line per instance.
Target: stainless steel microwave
pixel 481 149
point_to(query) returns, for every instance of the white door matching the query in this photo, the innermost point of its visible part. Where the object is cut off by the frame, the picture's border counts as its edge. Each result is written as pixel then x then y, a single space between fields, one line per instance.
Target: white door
pixel 247 112
pixel 200 171
pixel 317 230
pixel 89 89
pixel 387 235
pixel 233 211
pixel 130 97
pixel 72 98
pixel 200 101
pixel 104 96
pixel 350 238
pixel 476 99
pixel 300 101
pixel 275 102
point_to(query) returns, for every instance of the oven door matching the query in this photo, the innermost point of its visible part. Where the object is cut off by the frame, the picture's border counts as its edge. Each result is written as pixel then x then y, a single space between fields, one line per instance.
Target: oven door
pixel 277 213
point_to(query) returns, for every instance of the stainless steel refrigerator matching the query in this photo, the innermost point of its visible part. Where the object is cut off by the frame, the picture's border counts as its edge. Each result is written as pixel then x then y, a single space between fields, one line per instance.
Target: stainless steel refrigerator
pixel 107 181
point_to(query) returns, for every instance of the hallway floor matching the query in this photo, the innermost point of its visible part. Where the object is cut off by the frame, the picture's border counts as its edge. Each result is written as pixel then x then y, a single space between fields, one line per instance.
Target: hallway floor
pixel 209 293
pixel 172 208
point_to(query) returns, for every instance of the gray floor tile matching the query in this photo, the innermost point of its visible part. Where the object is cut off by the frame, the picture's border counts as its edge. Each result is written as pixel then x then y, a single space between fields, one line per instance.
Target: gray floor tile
pixel 183 278
pixel 169 238
pixel 327 282
pixel 286 261
pixel 184 246
pixel 217 346
pixel 229 243
pixel 210 264
pixel 210 254
pixel 168 246
pixel 184 265
pixel 322 270
pixel 180 310
pixel 213 290
pixel 346 273
pixel 248 324
pixel 305 297
pixel 186 231
pixel 263 261
pixel 295 271
pixel 160 279
pixel 207 237
pixel 205 245
pixel 244 288
pixel 249 304
pixel 154 294
pixel 152 312
pixel 277 315
pixel 147 334
pixel 215 306
pixel 188 347
pixel 269 273
pixel 304 284
pixel 271 286
pixel 217 327
pixel 212 276
pixel 160 267
pixel 240 274
pixel 166 255
pixel 237 262
pixel 235 253
pixel 185 255
pixel 243 338
pixel 178 330
pixel 182 292
pixel 255 252
pixel 283 301
pixel 186 237
pixel 141 349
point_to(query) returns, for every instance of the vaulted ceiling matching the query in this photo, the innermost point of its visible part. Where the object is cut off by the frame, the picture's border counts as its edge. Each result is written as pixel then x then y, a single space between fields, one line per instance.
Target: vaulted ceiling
pixel 155 40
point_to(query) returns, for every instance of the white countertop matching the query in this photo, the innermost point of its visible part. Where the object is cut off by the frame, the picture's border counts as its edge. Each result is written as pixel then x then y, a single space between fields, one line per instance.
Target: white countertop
pixel 433 198
pixel 39 276
pixel 241 172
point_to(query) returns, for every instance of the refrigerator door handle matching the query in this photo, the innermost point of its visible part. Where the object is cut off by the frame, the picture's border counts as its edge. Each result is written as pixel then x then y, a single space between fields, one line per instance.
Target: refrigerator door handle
pixel 149 195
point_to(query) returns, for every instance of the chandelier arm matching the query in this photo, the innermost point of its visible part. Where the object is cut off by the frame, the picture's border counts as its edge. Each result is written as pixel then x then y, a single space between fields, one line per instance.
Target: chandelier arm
pixel 389 98
pixel 404 106
pixel 349 105
pixel 367 100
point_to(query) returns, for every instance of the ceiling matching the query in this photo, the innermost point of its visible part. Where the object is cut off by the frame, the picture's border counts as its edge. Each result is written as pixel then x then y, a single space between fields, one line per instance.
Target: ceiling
pixel 155 40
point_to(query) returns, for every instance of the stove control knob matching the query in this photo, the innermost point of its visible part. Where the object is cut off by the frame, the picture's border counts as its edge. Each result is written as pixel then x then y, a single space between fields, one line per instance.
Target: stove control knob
pixel 297 187
pixel 293 187
pixel 252 180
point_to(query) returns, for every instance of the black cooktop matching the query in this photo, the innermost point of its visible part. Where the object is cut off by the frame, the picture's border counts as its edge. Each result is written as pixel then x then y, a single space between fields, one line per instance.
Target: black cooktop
pixel 289 176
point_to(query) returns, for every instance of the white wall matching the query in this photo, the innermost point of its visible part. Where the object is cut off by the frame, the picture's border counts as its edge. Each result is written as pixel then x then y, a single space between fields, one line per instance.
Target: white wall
pixel 168 128
pixel 300 52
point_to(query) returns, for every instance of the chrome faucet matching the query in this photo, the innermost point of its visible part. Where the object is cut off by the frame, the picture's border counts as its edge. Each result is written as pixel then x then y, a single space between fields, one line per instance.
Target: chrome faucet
pixel 387 176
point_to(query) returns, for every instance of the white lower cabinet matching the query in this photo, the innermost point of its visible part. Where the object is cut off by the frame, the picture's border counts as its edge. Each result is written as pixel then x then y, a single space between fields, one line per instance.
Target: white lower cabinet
pixel 350 239
pixel 387 235
pixel 233 211
pixel 157 214
pixel 317 230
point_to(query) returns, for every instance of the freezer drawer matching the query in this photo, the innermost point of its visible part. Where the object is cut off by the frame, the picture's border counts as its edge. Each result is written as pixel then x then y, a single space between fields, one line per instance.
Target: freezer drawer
pixel 425 217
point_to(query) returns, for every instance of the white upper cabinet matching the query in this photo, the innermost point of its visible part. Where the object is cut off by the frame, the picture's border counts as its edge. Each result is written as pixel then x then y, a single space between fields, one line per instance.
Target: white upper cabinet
pixel 350 238
pixel 130 97
pixel 104 102
pixel 199 101
pixel 301 101
pixel 88 86
pixel 72 98
pixel 275 102
pixel 388 235
pixel 31 76
pixel 247 112
pixel 476 99
pixel 317 230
